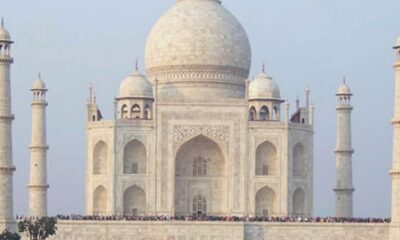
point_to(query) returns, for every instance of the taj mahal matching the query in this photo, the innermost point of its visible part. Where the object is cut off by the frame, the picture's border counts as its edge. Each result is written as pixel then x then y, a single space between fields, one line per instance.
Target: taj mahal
pixel 195 136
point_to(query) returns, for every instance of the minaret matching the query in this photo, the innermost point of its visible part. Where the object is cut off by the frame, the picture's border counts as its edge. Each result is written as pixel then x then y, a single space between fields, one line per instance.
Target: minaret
pixel 307 96
pixel 93 112
pixel 6 117
pixel 38 174
pixel 344 151
pixel 395 172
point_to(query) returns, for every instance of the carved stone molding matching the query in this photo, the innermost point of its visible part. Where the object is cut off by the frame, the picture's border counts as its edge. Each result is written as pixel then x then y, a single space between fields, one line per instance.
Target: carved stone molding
pixel 6 59
pixel 196 72
pixel 7 118
pixel 344 190
pixel 218 133
pixel 39 147
pixel 132 183
pixel 260 185
pixel 394 173
pixel 39 187
pixel 7 170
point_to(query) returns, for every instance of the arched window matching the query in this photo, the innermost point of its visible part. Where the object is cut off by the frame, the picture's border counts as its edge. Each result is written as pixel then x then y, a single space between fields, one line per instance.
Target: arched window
pixel 300 165
pixel 134 201
pixel 266 160
pixel 100 158
pixel 264 114
pixel 135 158
pixel 199 205
pixel 299 200
pixel 266 202
pixel 147 112
pixel 253 114
pixel 100 201
pixel 124 112
pixel 7 49
pixel 199 167
pixel 135 112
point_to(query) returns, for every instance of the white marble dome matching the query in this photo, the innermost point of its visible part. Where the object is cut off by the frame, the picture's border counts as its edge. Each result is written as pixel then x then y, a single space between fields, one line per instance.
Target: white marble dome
pixel 4 34
pixel 198 44
pixel 135 86
pixel 263 87
pixel 38 85
pixel 344 89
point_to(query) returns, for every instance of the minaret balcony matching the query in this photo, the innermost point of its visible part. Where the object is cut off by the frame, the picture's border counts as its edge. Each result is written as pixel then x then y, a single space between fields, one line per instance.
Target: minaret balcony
pixel 6 59
pixel 394 173
pixel 7 170
pixel 7 118
pixel 344 190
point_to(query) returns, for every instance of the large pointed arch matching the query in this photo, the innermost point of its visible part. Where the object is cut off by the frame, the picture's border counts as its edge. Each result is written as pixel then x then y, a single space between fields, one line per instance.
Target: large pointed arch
pixel 200 169
pixel 100 158
pixel 299 161
pixel 299 202
pixel 135 158
pixel 134 201
pixel 267 160
pixel 100 201
pixel 265 202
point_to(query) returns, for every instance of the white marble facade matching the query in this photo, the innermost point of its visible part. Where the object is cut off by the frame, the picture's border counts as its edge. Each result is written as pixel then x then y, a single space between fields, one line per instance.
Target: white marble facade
pixel 196 137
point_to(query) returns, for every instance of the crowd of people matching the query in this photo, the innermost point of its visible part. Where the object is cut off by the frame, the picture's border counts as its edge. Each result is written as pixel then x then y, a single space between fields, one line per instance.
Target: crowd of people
pixel 271 219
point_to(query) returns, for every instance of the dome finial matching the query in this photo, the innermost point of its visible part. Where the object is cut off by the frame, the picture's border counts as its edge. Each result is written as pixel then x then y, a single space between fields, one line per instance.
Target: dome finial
pixel 40 75
pixel 344 80
pixel 136 65
pixel 2 22
pixel 263 67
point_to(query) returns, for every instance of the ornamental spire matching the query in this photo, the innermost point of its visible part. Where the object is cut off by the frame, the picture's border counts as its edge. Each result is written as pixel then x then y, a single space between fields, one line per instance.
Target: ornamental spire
pixel 90 99
pixel 2 22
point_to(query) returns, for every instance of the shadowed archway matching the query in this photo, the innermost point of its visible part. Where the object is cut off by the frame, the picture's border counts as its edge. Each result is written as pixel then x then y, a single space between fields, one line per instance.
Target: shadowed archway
pixel 134 201
pixel 100 201
pixel 200 170
pixel 265 202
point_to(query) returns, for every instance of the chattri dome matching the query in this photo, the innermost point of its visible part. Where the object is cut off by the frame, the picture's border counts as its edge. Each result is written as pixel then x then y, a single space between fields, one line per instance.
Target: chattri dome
pixel 4 34
pixel 198 49
pixel 263 87
pixel 135 86
pixel 344 90
pixel 39 85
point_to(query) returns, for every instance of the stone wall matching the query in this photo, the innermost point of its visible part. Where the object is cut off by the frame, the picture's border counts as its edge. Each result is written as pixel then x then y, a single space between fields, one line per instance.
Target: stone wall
pixel 122 230
pixel 314 231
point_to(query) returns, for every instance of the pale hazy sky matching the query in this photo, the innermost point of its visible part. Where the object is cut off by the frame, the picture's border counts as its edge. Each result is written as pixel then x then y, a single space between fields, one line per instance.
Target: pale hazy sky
pixel 314 42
